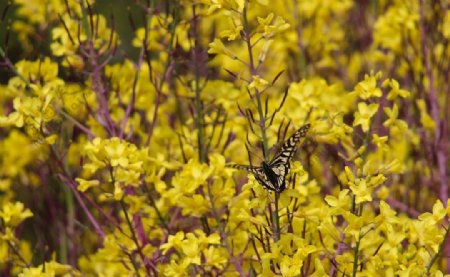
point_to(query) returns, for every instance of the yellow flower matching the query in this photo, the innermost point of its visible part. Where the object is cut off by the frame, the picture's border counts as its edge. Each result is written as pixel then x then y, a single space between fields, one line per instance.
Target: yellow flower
pixel 340 204
pixel 392 25
pixel 136 203
pixel 173 241
pixel 446 25
pixel 361 190
pixel 380 142
pixel 33 71
pixel 232 5
pixel 439 212
pixel 17 154
pixel 116 151
pixel 177 268
pixel 319 269
pixel 383 193
pixel 392 115
pixel 217 47
pixel 364 114
pixel 387 215
pixel 258 83
pixel 187 181
pixel 232 34
pixel 368 88
pixel 69 37
pixel 51 139
pixel 195 205
pixel 425 118
pixel 395 90
pixel 215 257
pixel 49 269
pixel 375 181
pixel 192 249
pixel 290 266
pixel 268 30
pixel 8 234
pixel 84 185
pixel 355 224
pixel 13 214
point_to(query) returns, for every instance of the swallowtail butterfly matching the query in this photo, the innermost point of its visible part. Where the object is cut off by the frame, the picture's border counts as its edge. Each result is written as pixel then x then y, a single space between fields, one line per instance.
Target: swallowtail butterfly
pixel 272 175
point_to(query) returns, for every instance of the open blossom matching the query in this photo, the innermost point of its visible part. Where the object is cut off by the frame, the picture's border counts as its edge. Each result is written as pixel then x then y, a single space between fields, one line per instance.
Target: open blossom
pixel 364 115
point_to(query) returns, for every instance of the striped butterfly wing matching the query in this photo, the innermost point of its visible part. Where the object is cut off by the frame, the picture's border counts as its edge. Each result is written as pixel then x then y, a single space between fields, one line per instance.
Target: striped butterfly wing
pixel 281 163
pixel 259 174
pixel 287 151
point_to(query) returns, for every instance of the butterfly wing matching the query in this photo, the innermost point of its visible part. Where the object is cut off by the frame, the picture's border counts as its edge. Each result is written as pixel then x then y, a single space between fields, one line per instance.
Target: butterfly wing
pixel 287 151
pixel 281 163
pixel 259 174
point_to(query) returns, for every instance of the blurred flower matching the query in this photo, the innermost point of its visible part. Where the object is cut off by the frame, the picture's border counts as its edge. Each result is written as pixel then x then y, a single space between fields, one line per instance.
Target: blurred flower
pixel 217 47
pixel 395 91
pixel 425 118
pixel 12 214
pixel 368 88
pixel 364 114
pixel 258 83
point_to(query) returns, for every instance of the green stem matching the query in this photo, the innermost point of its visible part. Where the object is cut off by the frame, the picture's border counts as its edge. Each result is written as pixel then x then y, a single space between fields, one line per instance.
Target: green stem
pixel 441 247
pixel 198 102
pixel 262 121
pixel 223 234
pixel 67 246
pixel 262 125
pixel 84 21
pixel 158 212
pixel 133 237
pixel 262 118
pixel 355 258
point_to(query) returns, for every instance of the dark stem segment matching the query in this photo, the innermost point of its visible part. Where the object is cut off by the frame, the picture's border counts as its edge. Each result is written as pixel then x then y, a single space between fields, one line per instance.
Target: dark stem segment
pixel 198 102
pixel 276 218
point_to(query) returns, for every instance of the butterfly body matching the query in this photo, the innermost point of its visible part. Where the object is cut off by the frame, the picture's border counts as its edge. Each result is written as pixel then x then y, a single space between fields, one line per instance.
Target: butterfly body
pixel 272 175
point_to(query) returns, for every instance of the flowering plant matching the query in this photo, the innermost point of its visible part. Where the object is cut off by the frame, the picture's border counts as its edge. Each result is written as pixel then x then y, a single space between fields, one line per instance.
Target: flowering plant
pixel 117 129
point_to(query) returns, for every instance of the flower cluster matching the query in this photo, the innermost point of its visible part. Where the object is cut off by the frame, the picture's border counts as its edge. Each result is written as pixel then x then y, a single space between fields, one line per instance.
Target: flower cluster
pixel 115 144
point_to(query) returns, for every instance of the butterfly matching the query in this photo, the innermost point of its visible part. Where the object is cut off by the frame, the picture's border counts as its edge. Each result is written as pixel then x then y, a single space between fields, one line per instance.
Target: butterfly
pixel 272 175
